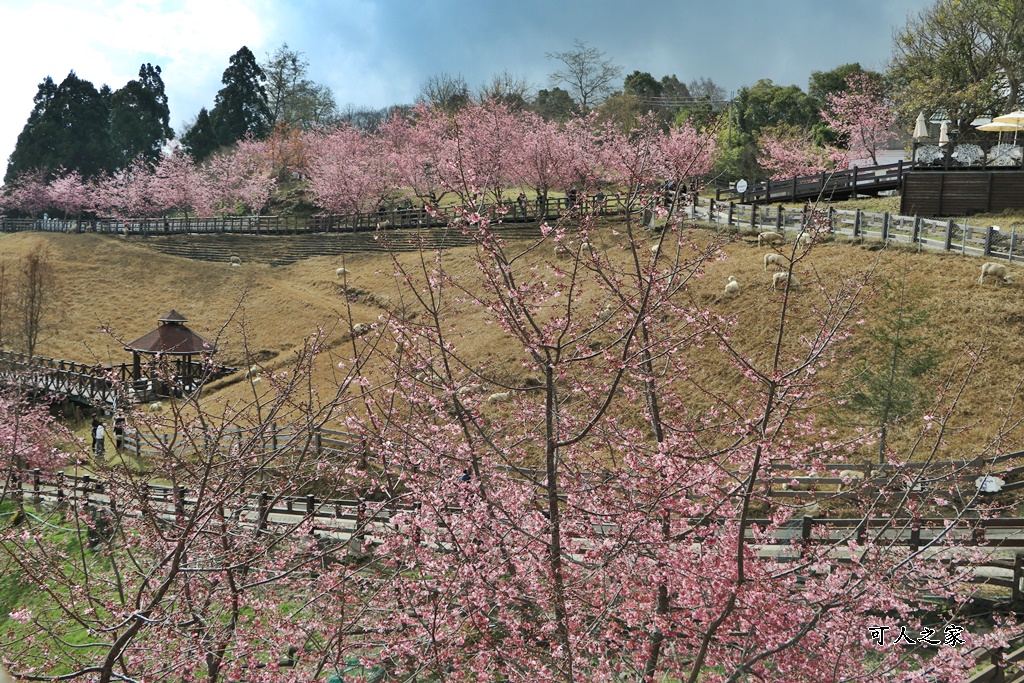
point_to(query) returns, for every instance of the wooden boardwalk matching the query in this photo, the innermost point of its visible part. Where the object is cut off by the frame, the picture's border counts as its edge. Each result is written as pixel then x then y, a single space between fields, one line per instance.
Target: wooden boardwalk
pixel 825 187
pixel 96 385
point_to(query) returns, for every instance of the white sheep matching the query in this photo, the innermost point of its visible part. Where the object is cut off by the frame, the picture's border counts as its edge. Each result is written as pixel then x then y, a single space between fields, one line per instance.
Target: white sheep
pixel 654 249
pixel 341 272
pixel 252 371
pixel 155 406
pixel 235 260
pixel 850 477
pixel 774 259
pixel 360 329
pixel 732 287
pixel 769 238
pixel 502 397
pixel 805 239
pixel 236 265
pixel 998 270
pixel 779 281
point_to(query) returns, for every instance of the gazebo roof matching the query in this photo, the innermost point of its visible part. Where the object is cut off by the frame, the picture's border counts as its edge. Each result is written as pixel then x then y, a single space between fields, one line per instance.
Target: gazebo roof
pixel 171 337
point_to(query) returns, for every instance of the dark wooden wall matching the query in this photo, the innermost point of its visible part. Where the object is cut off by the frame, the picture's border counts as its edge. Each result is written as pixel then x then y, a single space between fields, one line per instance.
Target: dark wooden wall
pixel 961 193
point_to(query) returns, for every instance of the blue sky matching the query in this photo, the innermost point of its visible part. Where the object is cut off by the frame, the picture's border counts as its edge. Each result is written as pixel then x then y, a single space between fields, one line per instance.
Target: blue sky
pixel 379 52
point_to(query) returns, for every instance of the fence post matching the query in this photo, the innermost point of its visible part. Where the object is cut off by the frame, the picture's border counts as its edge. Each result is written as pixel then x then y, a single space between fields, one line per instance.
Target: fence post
pixel 273 437
pixel 36 483
pixel 86 485
pixel 949 234
pixel 988 240
pixel 856 224
pixel 915 538
pixel 1013 240
pixel 261 511
pixel 916 231
pixel 805 532
pixel 728 220
pixel 779 219
pixel 963 246
pixel 179 501
pixel 1018 569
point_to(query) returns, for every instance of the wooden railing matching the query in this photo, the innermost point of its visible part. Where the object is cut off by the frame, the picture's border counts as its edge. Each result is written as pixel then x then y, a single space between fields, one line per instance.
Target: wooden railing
pixel 826 186
pixel 95 384
pixel 395 218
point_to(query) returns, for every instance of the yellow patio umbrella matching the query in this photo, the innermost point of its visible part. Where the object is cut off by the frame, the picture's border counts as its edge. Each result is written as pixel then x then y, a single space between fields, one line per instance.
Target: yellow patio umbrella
pixel 1000 128
pixel 1016 117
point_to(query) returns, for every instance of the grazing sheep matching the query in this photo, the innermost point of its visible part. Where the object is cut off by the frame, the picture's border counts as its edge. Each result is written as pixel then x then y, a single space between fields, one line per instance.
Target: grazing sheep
pixel 155 406
pixel 256 380
pixel 805 238
pixel 360 329
pixel 341 272
pixel 775 260
pixel 732 287
pixel 236 265
pixel 469 389
pixel 779 281
pixel 235 260
pixel 252 371
pixel 998 270
pixel 770 238
pixel 503 397
pixel 850 476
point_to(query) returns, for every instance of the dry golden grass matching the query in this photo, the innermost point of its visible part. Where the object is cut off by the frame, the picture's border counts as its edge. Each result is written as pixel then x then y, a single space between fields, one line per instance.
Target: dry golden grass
pixel 108 283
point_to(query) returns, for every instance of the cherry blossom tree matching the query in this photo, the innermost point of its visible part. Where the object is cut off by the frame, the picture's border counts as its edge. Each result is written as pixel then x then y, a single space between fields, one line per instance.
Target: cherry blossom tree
pixel 241 179
pixel 348 171
pixel 787 152
pixel 178 185
pixel 69 194
pixel 589 505
pixel 862 115
pixel 28 193
pixel 129 193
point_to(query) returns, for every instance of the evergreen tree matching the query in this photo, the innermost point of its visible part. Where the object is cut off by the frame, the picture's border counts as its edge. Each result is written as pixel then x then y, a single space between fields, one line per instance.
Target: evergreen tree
pixel 140 118
pixel 200 139
pixel 889 386
pixel 241 107
pixel 68 128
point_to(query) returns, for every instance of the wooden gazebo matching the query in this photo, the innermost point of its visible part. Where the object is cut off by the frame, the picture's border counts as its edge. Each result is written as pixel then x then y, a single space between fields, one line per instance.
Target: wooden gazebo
pixel 172 346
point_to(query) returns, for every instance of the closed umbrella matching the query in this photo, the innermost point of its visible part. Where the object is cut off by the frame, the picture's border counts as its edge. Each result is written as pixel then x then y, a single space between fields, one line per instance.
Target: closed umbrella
pixel 921 127
pixel 944 133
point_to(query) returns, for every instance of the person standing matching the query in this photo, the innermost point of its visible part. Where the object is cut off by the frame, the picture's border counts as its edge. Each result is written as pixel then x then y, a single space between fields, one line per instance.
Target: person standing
pixel 119 432
pixel 95 424
pixel 98 435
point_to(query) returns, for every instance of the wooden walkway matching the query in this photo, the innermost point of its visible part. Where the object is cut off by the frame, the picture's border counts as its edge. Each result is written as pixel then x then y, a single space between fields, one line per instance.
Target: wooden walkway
pixel 96 385
pixel 825 187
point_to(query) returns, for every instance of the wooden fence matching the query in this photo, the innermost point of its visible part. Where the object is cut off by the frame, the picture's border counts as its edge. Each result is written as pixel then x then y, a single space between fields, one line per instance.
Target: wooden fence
pixel 963 236
pixel 393 219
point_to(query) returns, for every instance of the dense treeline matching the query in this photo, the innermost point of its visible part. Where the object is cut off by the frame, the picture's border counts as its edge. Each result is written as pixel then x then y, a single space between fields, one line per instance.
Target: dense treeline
pixel 764 129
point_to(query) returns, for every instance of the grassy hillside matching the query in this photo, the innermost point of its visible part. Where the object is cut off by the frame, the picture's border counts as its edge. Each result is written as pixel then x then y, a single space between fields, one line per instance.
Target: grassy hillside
pixel 113 291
